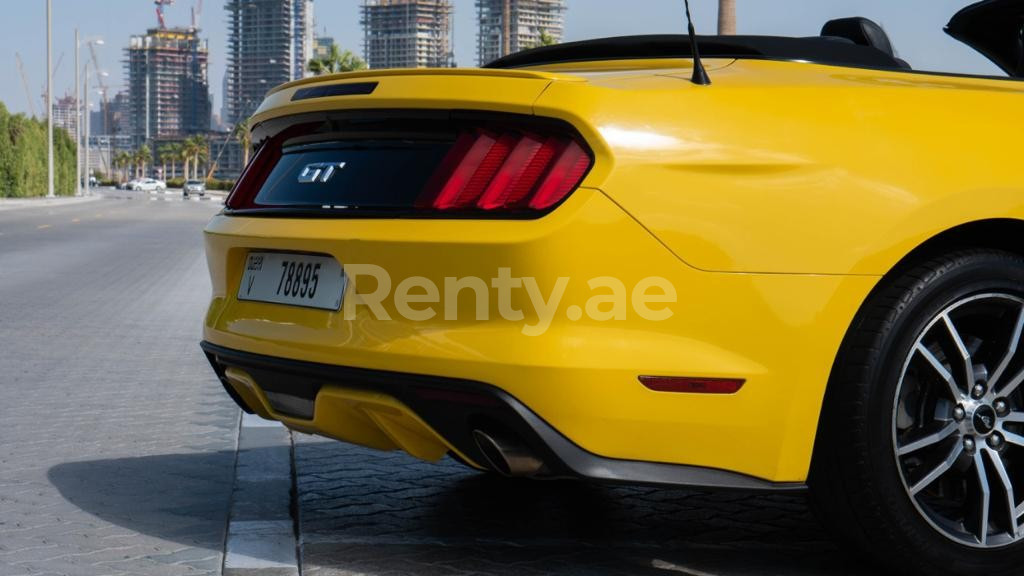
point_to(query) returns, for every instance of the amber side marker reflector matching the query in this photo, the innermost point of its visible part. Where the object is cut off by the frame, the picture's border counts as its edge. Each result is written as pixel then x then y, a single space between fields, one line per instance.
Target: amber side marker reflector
pixel 692 385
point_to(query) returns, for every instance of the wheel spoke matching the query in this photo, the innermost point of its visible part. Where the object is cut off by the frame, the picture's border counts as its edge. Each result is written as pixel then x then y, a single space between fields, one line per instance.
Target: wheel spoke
pixel 954 443
pixel 945 374
pixel 1011 349
pixel 928 440
pixel 1011 499
pixel 964 354
pixel 939 470
pixel 986 496
pixel 1015 417
pixel 1015 439
pixel 1012 386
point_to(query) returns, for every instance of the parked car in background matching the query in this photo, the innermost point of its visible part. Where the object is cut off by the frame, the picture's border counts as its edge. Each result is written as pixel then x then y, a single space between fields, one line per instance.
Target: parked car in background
pixel 148 185
pixel 194 187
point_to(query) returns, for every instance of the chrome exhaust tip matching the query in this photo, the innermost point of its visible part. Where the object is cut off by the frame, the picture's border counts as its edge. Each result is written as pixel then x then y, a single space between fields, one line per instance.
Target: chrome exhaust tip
pixel 506 455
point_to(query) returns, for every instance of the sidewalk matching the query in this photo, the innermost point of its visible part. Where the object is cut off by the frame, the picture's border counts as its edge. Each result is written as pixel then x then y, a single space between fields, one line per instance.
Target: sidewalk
pixel 17 203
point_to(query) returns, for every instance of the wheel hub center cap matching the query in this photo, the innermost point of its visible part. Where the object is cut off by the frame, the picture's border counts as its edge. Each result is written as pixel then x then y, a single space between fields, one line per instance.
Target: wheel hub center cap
pixel 984 420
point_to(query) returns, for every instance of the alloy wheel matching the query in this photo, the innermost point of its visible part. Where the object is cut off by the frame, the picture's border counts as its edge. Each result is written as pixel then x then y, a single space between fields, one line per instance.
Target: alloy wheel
pixel 958 421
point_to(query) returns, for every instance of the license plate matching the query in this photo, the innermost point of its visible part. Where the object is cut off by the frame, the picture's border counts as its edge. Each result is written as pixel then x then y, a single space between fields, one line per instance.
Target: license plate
pixel 293 279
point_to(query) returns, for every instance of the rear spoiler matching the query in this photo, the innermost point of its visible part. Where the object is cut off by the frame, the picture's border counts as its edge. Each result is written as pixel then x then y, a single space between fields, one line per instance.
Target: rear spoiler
pixel 994 28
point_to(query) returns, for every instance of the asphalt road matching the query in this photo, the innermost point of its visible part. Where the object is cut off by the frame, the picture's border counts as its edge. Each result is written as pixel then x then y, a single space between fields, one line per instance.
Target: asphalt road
pixel 118 447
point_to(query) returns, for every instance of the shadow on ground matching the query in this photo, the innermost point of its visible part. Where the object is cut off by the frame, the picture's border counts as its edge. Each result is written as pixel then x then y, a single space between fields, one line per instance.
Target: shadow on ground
pixel 181 498
pixel 372 513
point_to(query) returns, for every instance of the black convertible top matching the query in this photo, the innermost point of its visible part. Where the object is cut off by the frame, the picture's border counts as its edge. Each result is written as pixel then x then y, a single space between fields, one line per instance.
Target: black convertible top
pixel 822 50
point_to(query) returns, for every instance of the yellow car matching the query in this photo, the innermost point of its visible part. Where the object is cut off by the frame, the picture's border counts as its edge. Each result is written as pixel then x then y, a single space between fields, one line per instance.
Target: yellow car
pixel 584 261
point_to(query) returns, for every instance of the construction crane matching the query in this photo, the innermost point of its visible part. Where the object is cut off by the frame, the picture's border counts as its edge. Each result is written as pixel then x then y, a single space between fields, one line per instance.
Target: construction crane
pixel 197 13
pixel 102 83
pixel 24 82
pixel 160 11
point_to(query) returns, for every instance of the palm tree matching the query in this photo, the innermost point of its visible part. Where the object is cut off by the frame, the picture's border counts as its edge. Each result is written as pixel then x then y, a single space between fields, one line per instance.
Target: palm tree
pixel 164 152
pixel 185 154
pixel 727 17
pixel 337 60
pixel 173 155
pixel 546 39
pixel 121 161
pixel 142 157
pixel 200 149
pixel 244 138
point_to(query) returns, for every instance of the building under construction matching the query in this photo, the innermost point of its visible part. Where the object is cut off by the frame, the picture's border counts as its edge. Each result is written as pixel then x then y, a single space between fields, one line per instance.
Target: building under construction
pixel 508 26
pixel 168 86
pixel 270 42
pixel 407 33
pixel 65 114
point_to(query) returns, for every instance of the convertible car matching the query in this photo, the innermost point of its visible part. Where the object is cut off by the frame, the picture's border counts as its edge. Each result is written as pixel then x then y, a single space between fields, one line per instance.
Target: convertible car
pixel 586 261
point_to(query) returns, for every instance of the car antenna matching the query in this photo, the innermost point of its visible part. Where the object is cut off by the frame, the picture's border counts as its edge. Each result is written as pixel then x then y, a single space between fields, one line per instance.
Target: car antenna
pixel 700 75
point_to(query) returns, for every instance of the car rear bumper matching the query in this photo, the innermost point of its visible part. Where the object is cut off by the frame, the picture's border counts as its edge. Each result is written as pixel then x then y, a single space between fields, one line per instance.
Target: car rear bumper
pixel 777 332
pixel 430 416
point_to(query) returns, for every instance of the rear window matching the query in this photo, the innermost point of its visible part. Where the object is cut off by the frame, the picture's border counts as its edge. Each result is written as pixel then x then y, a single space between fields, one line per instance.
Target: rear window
pixel 368 174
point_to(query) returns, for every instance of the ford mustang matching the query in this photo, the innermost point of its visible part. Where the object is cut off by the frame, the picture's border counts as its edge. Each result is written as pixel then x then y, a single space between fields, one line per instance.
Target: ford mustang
pixel 800 266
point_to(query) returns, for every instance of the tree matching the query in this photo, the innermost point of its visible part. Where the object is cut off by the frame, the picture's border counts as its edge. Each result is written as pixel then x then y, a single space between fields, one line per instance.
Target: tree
pixel 23 157
pixel 174 155
pixel 142 157
pixel 727 17
pixel 546 39
pixel 121 162
pixel 184 154
pixel 194 150
pixel 337 60
pixel 244 138
pixel 201 155
pixel 164 152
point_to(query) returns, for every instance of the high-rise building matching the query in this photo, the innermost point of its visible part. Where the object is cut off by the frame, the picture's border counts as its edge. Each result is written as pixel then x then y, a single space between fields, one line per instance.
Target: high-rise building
pixel 168 89
pixel 302 37
pixel 65 115
pixel 322 47
pixel 508 26
pixel 269 43
pixel 407 33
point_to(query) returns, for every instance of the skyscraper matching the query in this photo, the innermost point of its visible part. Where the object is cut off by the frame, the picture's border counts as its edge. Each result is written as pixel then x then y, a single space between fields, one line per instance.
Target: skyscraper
pixel 508 26
pixel 407 33
pixel 269 43
pixel 168 87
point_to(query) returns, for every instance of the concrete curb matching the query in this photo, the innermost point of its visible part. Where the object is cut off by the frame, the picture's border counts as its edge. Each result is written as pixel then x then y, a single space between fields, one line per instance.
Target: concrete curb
pixel 261 532
pixel 21 203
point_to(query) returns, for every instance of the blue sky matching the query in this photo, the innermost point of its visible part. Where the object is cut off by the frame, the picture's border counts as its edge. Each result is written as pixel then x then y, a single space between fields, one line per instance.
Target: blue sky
pixel 915 26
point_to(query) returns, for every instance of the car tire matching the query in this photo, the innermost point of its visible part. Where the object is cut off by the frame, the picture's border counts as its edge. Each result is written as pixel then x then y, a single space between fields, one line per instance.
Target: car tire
pixel 877 478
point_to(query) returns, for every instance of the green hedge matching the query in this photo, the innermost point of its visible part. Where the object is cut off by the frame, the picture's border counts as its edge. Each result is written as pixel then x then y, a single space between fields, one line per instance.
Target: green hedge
pixel 211 184
pixel 23 157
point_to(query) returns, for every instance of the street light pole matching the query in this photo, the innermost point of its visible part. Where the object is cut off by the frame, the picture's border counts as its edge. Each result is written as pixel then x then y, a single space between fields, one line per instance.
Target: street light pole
pixel 78 122
pixel 87 192
pixel 49 98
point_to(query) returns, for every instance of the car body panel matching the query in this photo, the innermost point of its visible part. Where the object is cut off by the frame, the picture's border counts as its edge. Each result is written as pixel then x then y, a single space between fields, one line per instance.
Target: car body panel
pixel 581 377
pixel 773 200
pixel 850 171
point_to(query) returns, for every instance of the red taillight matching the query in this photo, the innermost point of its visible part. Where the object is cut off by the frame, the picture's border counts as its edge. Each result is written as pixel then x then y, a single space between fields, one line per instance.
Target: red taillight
pixel 507 171
pixel 692 385
pixel 243 194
